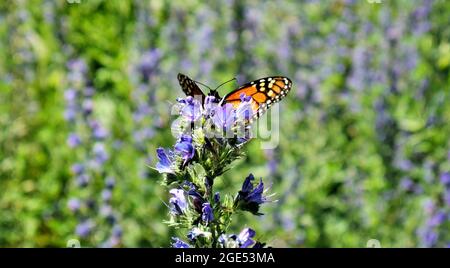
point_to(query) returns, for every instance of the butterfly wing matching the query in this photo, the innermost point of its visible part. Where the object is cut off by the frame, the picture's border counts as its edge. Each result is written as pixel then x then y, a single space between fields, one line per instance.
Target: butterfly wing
pixel 189 87
pixel 264 93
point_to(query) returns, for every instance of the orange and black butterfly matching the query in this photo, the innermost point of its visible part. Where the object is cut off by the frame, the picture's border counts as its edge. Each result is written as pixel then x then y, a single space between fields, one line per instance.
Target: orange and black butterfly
pixel 264 92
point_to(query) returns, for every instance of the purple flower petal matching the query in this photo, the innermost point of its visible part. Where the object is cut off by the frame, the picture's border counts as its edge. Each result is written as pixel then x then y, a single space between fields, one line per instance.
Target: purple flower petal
pixel 248 186
pixel 185 148
pixel 164 164
pixel 256 195
pixel 245 237
pixel 178 243
pixel 192 110
pixel 207 213
pixel 224 117
pixel 178 201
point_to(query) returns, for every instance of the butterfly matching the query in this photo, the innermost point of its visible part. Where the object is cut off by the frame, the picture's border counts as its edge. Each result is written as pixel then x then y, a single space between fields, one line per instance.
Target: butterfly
pixel 264 92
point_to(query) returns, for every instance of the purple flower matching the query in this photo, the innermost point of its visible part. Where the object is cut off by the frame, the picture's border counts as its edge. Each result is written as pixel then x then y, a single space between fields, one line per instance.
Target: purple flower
pixel 88 106
pixel 89 92
pixel 256 194
pixel 77 65
pixel 445 178
pixel 247 186
pixel 70 114
pixel 185 148
pixel 207 213
pixel 74 204
pixel 178 243
pixel 245 238
pixel 99 133
pixel 106 211
pixel 83 180
pixel 149 62
pixel 272 163
pixel 244 114
pixel 100 154
pixel 406 184
pixel 106 195
pixel 249 197
pixel 77 168
pixel 164 164
pixel 73 140
pixel 210 105
pixel 117 231
pixel 437 219
pixel 178 201
pixel 110 183
pixel 70 95
pixel 430 238
pixel 143 110
pixel 84 228
pixel 224 117
pixel 192 109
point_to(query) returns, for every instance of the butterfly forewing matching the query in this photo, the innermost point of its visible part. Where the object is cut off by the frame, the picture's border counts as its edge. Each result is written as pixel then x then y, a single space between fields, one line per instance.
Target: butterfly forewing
pixel 189 87
pixel 264 93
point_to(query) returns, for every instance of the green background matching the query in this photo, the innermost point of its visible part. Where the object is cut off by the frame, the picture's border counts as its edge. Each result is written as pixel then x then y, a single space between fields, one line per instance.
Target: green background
pixel 369 111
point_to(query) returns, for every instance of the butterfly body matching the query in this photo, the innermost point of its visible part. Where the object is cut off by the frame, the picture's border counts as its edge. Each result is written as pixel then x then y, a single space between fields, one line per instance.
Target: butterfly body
pixel 264 92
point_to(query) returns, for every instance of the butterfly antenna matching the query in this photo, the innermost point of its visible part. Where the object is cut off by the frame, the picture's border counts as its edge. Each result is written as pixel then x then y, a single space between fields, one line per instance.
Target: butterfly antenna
pixel 202 84
pixel 225 83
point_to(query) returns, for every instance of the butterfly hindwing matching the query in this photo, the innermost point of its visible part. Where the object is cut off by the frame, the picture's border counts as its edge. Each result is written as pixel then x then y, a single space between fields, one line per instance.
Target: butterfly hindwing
pixel 264 93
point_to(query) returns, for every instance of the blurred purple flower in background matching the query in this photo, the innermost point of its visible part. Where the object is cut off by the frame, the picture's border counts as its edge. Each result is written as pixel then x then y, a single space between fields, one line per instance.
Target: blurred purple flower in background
pixel 149 63
pixel 74 204
pixel 73 140
pixel 80 116
pixel 445 179
pixel 84 228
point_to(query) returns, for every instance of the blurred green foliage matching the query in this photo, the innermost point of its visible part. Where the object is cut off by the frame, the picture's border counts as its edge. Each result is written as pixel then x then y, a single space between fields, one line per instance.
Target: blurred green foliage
pixel 369 110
